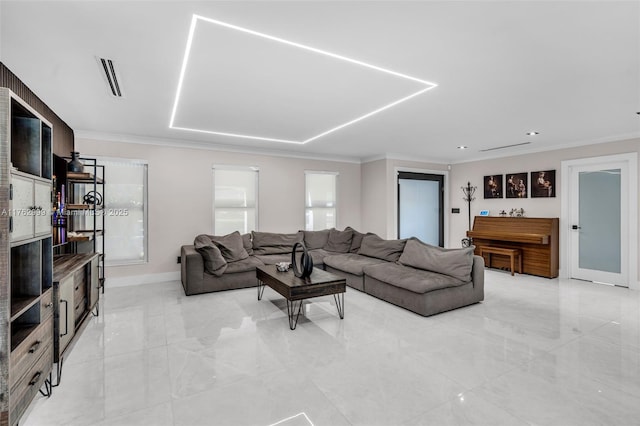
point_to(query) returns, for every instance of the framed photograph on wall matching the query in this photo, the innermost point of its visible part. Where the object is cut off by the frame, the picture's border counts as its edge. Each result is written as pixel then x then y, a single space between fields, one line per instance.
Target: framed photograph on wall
pixel 493 186
pixel 543 184
pixel 517 185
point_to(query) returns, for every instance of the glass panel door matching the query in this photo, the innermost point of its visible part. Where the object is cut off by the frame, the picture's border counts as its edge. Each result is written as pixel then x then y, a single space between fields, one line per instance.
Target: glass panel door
pixel 599 209
pixel 599 224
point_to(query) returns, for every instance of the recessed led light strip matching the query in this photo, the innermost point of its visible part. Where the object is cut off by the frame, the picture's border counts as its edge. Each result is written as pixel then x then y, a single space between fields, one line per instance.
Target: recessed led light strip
pixel 185 61
pixel 234 135
pixel 369 114
pixel 183 69
pixel 313 49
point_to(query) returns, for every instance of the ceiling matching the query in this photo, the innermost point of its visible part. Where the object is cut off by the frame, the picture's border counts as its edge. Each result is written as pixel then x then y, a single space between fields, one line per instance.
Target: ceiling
pixel 331 73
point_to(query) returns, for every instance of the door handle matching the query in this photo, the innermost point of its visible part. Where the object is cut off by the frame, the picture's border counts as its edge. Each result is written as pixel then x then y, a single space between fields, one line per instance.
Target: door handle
pixel 575 227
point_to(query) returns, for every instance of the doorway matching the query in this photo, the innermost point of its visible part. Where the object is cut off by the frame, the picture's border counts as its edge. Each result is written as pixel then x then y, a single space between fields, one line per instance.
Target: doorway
pixel 421 207
pixel 601 219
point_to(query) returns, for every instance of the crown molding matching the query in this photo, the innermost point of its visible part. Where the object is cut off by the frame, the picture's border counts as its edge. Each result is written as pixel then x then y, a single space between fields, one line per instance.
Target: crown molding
pixel 569 145
pixel 402 157
pixel 191 144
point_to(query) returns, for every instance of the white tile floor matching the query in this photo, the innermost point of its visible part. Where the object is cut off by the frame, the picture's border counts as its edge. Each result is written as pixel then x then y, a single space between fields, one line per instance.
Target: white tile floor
pixel 537 351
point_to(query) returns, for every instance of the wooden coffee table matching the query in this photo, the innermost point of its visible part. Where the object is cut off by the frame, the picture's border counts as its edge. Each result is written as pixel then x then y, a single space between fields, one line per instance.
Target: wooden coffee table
pixel 295 290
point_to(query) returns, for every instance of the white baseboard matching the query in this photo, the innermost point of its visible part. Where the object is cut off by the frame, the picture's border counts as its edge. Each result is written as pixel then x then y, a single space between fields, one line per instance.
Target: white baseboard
pixel 141 279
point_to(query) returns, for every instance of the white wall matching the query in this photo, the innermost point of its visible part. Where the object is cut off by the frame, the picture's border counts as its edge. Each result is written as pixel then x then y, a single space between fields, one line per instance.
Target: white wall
pixel 180 191
pixel 379 193
pixel 374 197
pixel 474 172
pixel 392 182
pixel 181 194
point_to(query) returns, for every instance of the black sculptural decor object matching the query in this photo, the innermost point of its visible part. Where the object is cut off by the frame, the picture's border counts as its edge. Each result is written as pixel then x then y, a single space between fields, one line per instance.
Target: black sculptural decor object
pixel 305 262
pixel 75 165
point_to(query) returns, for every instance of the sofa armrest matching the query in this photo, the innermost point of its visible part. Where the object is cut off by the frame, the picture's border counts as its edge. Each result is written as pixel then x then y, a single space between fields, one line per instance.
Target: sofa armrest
pixel 477 273
pixel 192 270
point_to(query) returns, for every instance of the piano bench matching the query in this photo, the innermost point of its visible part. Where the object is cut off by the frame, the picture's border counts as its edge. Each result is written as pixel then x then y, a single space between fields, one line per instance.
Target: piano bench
pixel 513 254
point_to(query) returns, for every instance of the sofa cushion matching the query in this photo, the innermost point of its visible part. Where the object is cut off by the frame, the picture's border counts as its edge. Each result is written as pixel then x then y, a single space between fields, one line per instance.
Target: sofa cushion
pixel 412 279
pixel 244 265
pixel 315 239
pixel 247 243
pixel 231 246
pixel 339 241
pixel 351 262
pixel 214 262
pixel 318 256
pixel 374 246
pixel 456 263
pixel 273 243
pixel 272 259
pixel 356 242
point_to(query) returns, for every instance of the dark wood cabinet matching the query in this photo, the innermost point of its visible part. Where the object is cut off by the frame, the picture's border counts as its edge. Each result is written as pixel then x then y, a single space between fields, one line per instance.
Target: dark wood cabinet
pixel 76 288
pixel 63 139
pixel 26 269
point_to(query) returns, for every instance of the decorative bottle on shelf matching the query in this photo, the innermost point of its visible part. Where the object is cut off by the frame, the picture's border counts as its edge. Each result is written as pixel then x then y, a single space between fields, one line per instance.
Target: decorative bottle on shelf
pixel 61 202
pixel 75 165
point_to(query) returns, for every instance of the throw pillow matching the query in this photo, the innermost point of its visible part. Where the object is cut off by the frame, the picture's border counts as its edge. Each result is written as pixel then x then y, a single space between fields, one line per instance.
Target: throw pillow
pixel 231 246
pixel 247 243
pixel 339 241
pixel 315 239
pixel 356 242
pixel 274 243
pixel 212 258
pixel 456 263
pixel 374 246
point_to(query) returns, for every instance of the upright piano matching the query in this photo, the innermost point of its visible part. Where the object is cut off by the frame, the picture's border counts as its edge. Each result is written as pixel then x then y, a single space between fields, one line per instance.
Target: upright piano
pixel 537 239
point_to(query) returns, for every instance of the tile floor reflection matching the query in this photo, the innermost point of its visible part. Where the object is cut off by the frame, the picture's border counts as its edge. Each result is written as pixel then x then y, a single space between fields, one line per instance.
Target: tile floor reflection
pixel 537 351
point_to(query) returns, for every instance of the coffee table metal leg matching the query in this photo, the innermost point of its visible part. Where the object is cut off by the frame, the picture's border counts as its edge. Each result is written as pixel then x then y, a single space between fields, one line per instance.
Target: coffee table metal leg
pixel 261 287
pixel 339 298
pixel 291 312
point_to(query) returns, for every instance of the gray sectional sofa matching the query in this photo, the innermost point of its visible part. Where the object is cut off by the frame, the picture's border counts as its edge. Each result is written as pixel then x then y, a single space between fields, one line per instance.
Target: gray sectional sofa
pixel 408 273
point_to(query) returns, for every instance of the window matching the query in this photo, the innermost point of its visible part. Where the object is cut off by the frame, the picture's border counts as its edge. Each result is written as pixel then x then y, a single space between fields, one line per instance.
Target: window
pixel 235 200
pixel 125 201
pixel 320 200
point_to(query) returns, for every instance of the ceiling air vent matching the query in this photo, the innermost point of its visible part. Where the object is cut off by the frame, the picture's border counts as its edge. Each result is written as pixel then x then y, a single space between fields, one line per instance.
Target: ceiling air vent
pixel 110 74
pixel 504 147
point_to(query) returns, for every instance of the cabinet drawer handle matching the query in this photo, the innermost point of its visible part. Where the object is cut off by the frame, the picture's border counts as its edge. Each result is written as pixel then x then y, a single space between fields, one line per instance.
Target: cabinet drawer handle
pixel 66 317
pixel 34 347
pixel 49 305
pixel 35 378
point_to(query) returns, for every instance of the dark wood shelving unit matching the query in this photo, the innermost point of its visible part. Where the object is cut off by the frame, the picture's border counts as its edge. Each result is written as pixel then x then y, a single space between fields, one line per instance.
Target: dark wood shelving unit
pixel 78 263
pixel 26 255
pixel 20 332
pixel 81 177
pixel 29 157
pixel 20 304
pixel 83 207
